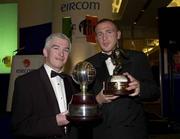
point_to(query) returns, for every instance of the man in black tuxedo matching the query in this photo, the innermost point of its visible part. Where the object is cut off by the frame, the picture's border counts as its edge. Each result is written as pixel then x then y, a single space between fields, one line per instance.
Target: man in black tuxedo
pixel 40 97
pixel 123 116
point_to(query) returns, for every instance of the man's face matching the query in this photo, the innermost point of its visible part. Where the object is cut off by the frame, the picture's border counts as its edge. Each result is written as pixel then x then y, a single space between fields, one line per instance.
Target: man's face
pixel 57 53
pixel 107 36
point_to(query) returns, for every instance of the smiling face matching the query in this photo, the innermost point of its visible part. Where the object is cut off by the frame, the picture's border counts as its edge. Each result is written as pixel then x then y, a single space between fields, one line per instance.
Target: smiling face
pixel 57 52
pixel 107 36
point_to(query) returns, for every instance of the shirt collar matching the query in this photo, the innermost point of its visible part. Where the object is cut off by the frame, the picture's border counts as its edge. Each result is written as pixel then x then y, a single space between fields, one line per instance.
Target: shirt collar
pixel 48 70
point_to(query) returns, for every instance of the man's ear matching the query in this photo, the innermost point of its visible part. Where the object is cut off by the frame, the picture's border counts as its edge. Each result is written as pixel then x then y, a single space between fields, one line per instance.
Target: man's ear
pixel 118 35
pixel 45 53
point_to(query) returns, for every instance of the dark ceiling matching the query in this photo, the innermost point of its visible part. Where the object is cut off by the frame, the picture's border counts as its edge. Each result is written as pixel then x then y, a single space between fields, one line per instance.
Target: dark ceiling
pixel 139 20
pixel 143 12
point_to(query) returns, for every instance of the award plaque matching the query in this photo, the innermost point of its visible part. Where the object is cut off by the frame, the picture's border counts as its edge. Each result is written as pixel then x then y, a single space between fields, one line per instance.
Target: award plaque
pixel 117 83
pixel 83 106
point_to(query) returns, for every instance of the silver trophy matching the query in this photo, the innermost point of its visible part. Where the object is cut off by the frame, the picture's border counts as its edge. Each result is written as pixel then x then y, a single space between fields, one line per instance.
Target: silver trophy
pixel 83 105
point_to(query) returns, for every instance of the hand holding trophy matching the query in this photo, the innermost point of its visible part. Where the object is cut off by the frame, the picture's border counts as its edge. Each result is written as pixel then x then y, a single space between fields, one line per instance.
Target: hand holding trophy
pixel 117 83
pixel 83 106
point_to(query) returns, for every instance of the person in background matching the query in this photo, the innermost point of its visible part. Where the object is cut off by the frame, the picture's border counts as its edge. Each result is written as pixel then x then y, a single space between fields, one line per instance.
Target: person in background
pixel 123 116
pixel 41 96
pixel 176 61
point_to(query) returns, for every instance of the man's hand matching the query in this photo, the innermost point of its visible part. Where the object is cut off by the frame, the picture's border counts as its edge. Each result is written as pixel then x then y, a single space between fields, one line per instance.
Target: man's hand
pixel 133 85
pixel 101 98
pixel 61 118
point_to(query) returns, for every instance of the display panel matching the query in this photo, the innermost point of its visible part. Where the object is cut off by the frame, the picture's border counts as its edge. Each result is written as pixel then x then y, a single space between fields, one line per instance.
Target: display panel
pixel 8 35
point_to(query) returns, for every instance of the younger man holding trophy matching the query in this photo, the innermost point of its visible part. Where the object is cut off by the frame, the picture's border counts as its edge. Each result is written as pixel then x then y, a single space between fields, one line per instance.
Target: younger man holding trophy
pixel 123 114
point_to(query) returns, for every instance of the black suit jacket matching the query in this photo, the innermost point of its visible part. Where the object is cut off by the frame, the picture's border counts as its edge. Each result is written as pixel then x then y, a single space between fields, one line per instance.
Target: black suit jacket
pixel 35 105
pixel 124 117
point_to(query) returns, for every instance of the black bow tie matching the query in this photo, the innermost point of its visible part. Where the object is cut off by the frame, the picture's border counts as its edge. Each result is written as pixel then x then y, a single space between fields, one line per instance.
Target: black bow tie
pixel 54 74
pixel 105 56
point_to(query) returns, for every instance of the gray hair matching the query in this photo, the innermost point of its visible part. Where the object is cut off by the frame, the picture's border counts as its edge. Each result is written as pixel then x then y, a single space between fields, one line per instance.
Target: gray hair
pixel 57 35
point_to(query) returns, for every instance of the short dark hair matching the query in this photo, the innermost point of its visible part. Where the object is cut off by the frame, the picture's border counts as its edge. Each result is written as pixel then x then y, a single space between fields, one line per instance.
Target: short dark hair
pixel 107 20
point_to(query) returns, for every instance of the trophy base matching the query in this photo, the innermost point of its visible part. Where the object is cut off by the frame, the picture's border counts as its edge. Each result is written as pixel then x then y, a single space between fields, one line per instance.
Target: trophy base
pixel 83 109
pixel 116 85
pixel 116 92
pixel 79 120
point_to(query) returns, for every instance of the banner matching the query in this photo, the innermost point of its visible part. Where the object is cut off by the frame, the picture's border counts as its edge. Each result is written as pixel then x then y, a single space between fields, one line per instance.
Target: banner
pixel 91 22
pixel 77 11
pixel 21 64
pixel 84 15
pixel 67 27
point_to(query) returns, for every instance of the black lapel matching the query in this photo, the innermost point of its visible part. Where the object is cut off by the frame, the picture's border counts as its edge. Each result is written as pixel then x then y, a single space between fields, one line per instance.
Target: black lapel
pixel 68 88
pixel 49 92
pixel 102 69
pixel 126 64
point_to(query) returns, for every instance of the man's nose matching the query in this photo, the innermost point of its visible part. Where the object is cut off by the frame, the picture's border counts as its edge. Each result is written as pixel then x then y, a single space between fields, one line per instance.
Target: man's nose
pixel 61 53
pixel 104 36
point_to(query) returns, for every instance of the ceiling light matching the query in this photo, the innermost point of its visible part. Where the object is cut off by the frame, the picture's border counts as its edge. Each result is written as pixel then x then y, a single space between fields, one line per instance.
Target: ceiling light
pixel 174 3
pixel 116 5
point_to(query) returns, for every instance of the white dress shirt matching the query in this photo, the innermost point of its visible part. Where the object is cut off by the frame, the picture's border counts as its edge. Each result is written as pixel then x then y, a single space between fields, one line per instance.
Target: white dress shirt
pixel 110 66
pixel 59 89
